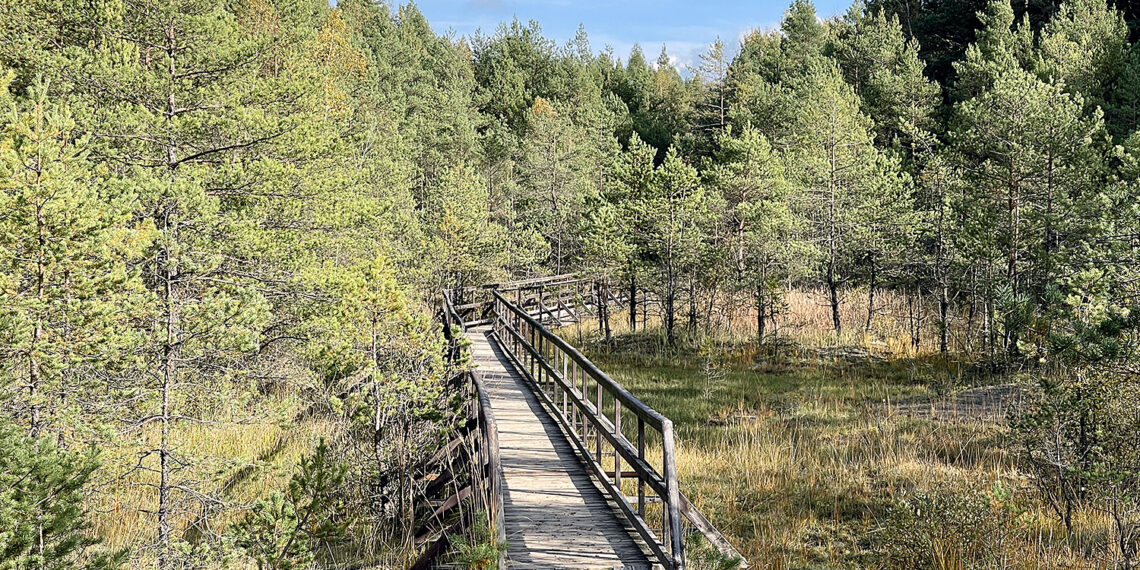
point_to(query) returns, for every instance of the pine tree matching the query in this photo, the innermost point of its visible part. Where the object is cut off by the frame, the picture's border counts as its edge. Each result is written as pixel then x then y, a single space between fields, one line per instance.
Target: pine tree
pixel 69 284
pixel 1085 46
pixel 285 530
pixel 41 505
pixel 853 196
pixel 630 185
pixel 675 211
pixel 939 262
pixel 766 236
pixel 466 247
pixel 712 78
pixel 605 251
pixel 1030 165
pixel 763 95
pixel 557 171
pixel 438 85
pixel 512 68
pixel 886 72
pixel 186 104
pixel 669 113
pixel 805 39
pixel 1002 44
pixel 1122 111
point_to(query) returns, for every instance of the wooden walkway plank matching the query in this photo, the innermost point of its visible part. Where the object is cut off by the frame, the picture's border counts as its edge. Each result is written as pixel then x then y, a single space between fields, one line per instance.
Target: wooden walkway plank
pixel 554 513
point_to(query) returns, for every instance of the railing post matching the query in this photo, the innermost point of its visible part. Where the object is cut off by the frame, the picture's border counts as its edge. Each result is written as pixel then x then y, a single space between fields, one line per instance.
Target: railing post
pixel 641 476
pixel 598 430
pixel 672 510
pixel 585 399
pixel 567 407
pixel 617 435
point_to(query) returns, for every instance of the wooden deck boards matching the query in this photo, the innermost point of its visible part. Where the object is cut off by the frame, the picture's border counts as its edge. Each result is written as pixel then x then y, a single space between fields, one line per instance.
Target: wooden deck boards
pixel 554 513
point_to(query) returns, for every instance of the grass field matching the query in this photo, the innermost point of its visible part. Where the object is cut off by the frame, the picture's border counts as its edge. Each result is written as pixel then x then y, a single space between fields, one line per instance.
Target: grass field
pixel 874 461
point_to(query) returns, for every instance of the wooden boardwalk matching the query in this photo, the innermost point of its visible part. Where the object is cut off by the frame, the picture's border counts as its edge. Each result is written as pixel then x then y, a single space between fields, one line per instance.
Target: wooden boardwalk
pixel 554 513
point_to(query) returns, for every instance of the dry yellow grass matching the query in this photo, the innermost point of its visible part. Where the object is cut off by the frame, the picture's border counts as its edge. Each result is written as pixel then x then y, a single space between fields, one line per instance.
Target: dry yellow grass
pixel 800 459
pixel 805 318
pixel 230 462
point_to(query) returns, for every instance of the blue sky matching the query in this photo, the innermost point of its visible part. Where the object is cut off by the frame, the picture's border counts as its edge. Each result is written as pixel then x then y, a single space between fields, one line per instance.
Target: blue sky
pixel 685 28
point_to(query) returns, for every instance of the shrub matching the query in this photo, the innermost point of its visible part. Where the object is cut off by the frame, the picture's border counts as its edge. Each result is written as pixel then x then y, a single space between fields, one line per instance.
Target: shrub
pixel 283 531
pixel 480 551
pixel 944 531
pixel 42 522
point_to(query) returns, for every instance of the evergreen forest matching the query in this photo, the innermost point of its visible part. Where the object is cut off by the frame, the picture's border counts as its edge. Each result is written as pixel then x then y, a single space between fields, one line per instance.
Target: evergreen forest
pixel 882 269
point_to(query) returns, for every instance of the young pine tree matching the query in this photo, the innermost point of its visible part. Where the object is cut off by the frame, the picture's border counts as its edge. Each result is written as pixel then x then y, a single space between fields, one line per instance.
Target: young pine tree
pixel 1085 47
pixel 185 103
pixel 676 212
pixel 1031 169
pixel 853 196
pixel 887 74
pixel 69 283
pixel 285 530
pixel 764 243
pixel 44 525
pixel 1002 44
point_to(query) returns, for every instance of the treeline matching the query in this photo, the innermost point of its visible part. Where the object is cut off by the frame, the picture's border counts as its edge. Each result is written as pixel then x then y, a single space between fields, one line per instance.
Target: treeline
pixel 215 213
pixel 824 154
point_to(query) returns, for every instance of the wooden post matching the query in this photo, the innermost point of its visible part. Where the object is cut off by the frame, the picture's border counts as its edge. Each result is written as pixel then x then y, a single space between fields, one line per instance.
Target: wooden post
pixel 585 398
pixel 672 500
pixel 566 394
pixel 598 430
pixel 641 476
pixel 617 435
pixel 533 358
pixel 573 386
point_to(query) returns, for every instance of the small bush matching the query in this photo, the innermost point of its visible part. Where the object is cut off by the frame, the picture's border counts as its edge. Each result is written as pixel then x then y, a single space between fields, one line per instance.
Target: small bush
pixel 700 555
pixel 479 551
pixel 42 522
pixel 944 531
pixel 283 531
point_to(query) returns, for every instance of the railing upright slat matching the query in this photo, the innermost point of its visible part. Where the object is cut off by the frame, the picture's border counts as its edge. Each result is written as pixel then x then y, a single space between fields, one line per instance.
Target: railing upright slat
pixel 598 431
pixel 617 432
pixel 640 477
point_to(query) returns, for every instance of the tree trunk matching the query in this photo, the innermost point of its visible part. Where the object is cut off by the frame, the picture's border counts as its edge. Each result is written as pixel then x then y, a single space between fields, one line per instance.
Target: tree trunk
pixel 833 290
pixel 943 318
pixel 692 305
pixel 168 372
pixel 760 305
pixel 171 342
pixel 871 297
pixel 645 311
pixel 34 374
pixel 916 330
pixel 632 303
pixel 603 293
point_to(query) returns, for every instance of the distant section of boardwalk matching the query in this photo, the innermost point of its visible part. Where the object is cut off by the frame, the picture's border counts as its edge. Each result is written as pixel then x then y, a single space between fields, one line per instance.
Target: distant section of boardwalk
pixel 554 513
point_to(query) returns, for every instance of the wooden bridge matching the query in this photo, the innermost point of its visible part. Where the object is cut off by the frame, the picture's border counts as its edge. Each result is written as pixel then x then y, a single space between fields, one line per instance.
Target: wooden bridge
pixel 568 467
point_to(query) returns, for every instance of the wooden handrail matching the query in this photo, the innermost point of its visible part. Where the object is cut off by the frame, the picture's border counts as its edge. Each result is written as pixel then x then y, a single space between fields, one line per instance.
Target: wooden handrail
pixel 450 315
pixel 655 418
pixel 494 468
pixel 541 346
pixel 561 375
pixel 482 475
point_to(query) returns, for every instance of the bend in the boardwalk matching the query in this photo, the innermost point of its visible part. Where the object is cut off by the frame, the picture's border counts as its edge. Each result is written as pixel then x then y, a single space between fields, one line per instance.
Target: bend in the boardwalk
pixel 554 513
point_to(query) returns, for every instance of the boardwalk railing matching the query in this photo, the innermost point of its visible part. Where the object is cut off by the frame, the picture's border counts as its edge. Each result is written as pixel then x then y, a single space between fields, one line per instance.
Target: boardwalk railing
pixel 629 444
pixel 559 299
pixel 467 470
